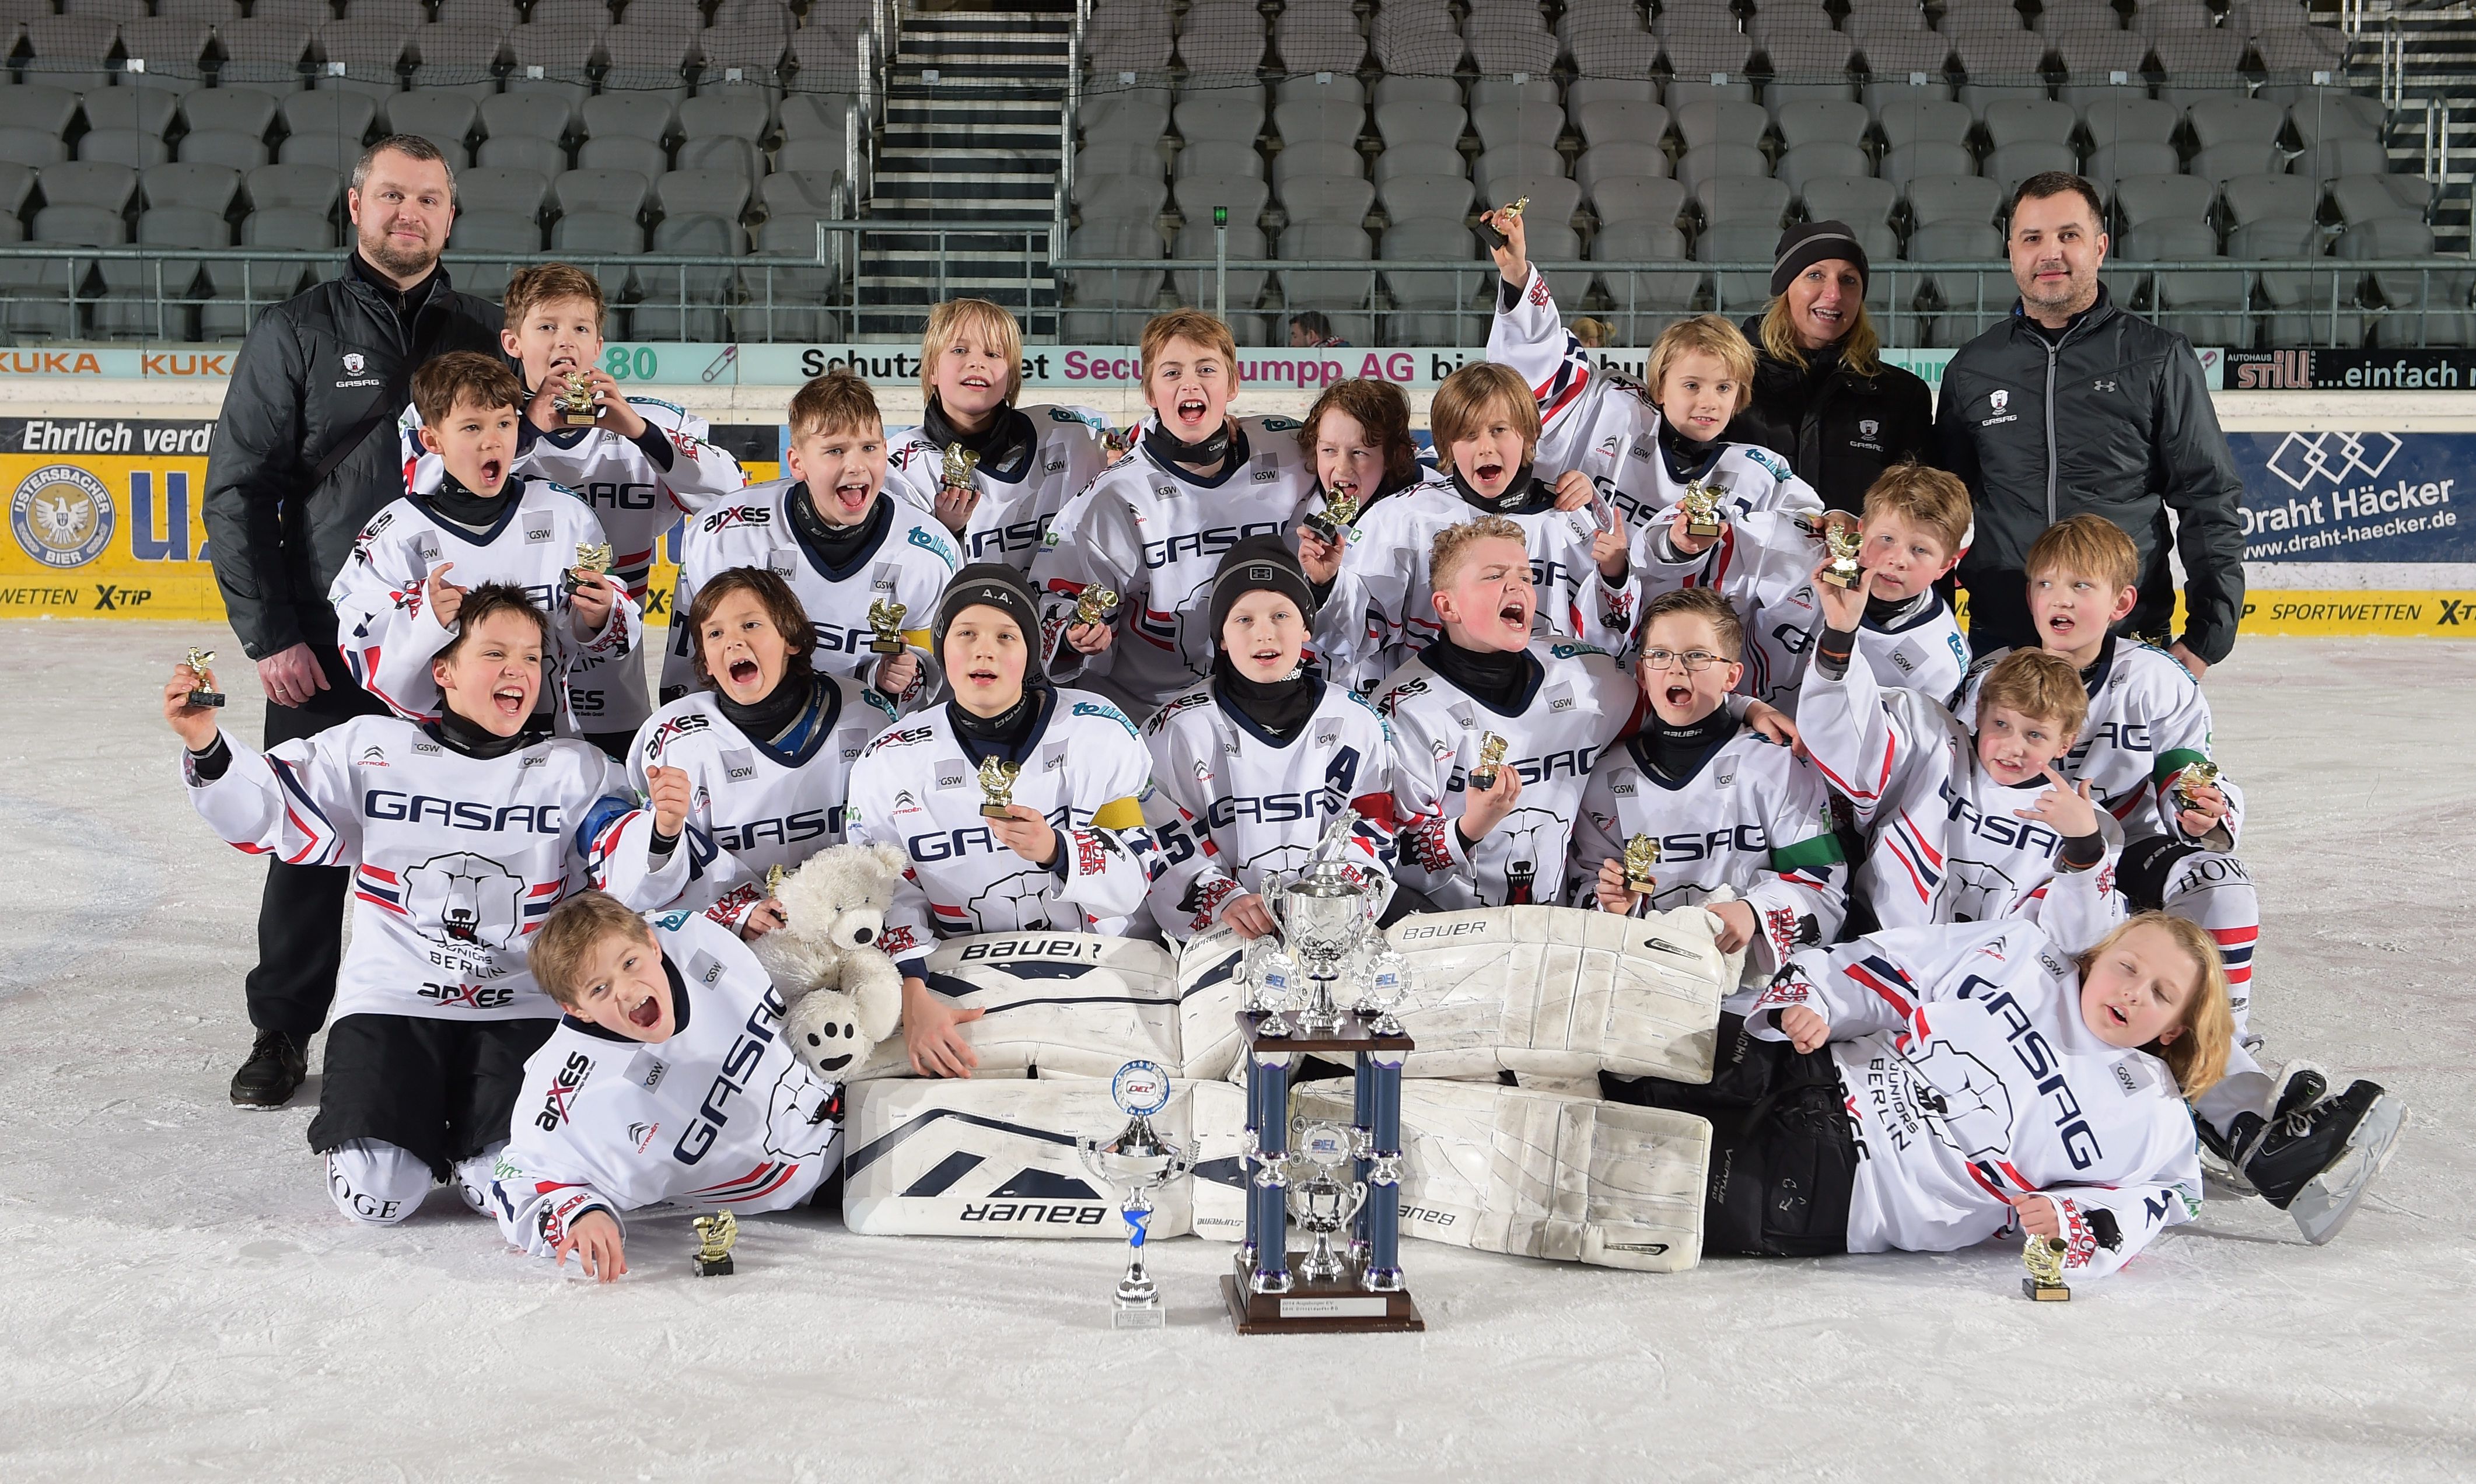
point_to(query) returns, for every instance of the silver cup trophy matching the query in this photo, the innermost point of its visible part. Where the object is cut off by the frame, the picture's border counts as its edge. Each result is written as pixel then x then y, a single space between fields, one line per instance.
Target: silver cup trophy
pixel 1323 1200
pixel 1325 911
pixel 1136 1162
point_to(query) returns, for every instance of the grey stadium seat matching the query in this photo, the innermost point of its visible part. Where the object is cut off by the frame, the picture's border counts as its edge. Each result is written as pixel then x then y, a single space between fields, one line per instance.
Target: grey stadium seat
pixel 608 152
pixel 2206 306
pixel 1126 113
pixel 2235 120
pixel 1914 120
pixel 71 51
pixel 1707 162
pixel 1098 290
pixel 330 110
pixel 2365 198
pixel 720 152
pixel 1197 239
pixel 1334 200
pixel 2141 199
pixel 1820 121
pixel 295 187
pixel 2133 156
pixel 85 204
pixel 1418 122
pixel 2040 121
pixel 1509 36
pixel 1861 201
pixel 1311 158
pixel 1738 201
pixel 545 157
pixel 238 110
pixel 1120 197
pixel 2332 158
pixel 336 151
pixel 1397 88
pixel 434 113
pixel 1955 242
pixel 170 48
pixel 1739 242
pixel 1650 297
pixel 1971 200
pixel 1230 114
pixel 131 107
pixel 1412 42
pixel 1646 200
pixel 1418 158
pixel 1332 289
pixel 2327 114
pixel 2259 198
pixel 490 188
pixel 1537 90
pixel 1908 161
pixel 1425 296
pixel 39 108
pixel 1319 38
pixel 1584 92
pixel 1306 89
pixel 1244 195
pixel 1110 157
pixel 2012 163
pixel 1822 160
pixel 2220 161
pixel 1220 157
pixel 735 112
pixel 1721 121
pixel 1508 171
pixel 1602 163
pixel 825 155
pixel 1333 118
pixel 1620 121
pixel 1503 124
pixel 135 148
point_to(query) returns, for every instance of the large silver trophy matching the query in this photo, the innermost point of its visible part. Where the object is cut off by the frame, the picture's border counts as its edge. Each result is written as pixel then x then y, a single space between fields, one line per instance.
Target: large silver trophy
pixel 1137 1162
pixel 1326 1179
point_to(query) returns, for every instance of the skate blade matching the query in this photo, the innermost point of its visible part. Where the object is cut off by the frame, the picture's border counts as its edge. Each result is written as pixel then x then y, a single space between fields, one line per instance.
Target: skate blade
pixel 2329 1200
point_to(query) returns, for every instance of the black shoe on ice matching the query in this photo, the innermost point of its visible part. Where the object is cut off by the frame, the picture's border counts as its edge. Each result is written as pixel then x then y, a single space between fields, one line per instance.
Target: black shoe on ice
pixel 272 1075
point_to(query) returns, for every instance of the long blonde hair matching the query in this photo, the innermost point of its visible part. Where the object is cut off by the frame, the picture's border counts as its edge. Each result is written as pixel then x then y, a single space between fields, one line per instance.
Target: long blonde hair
pixel 1860 349
pixel 2198 1057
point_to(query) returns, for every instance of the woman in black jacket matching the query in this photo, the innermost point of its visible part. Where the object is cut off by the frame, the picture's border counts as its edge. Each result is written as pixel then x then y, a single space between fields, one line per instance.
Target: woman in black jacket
pixel 1823 400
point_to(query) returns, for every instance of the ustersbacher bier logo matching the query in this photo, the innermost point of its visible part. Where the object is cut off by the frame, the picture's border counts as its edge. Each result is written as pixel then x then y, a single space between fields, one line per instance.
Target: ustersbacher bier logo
pixel 62 515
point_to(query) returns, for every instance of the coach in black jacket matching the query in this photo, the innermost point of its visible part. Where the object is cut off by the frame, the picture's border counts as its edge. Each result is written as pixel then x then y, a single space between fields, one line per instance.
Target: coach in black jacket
pixel 2072 404
pixel 303 455
pixel 1824 399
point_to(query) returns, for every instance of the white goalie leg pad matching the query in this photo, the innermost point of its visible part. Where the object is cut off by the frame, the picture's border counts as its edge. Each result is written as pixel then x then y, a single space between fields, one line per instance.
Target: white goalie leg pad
pixel 930 1158
pixel 1077 1004
pixel 1560 992
pixel 1209 996
pixel 376 1183
pixel 1545 1175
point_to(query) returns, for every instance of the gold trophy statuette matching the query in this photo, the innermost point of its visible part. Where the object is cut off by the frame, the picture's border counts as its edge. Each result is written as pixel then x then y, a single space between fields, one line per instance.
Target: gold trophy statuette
pixel 1094 604
pixel 1331 524
pixel 775 877
pixel 996 787
pixel 954 477
pixel 1701 504
pixel 576 407
pixel 1491 752
pixel 716 1234
pixel 2196 777
pixel 885 621
pixel 1843 571
pixel 204 692
pixel 2043 1257
pixel 1641 853
pixel 1520 203
pixel 592 564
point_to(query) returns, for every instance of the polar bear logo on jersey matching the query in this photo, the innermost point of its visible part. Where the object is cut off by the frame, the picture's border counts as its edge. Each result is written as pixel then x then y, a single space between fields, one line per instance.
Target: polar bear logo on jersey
pixel 1531 845
pixel 473 897
pixel 1019 901
pixel 1973 1108
pixel 1980 891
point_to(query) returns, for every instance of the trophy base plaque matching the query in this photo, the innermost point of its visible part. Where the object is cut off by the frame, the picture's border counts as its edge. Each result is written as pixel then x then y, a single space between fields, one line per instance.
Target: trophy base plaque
pixel 1137 1316
pixel 206 698
pixel 1339 1305
pixel 585 419
pixel 887 646
pixel 714 1267
pixel 2046 1293
pixel 1704 530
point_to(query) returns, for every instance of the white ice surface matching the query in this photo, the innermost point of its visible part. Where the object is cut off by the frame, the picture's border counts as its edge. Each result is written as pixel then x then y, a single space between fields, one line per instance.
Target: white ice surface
pixel 178 1299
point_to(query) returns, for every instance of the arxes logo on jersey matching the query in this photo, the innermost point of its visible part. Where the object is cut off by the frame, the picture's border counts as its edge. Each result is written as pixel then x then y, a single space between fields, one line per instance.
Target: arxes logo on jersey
pixel 752 516
pixel 563 1087
pixel 672 729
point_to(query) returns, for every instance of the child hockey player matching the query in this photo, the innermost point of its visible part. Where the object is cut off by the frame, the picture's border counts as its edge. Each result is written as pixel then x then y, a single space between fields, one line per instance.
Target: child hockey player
pixel 1729 810
pixel 1249 768
pixel 1065 772
pixel 1153 527
pixel 641 465
pixel 1916 527
pixel 1358 437
pixel 399 596
pixel 463 833
pixel 1487 434
pixel 2307 1151
pixel 667 1082
pixel 1963 826
pixel 1017 466
pixel 1550 704
pixel 764 746
pixel 833 533
pixel 1922 1089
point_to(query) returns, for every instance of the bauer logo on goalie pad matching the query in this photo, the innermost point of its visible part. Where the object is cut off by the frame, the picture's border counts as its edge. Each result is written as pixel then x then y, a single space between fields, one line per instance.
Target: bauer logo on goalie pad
pixel 472 898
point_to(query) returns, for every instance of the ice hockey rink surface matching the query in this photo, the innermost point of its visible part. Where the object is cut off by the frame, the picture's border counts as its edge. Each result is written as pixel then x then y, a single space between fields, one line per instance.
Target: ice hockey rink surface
pixel 180 1302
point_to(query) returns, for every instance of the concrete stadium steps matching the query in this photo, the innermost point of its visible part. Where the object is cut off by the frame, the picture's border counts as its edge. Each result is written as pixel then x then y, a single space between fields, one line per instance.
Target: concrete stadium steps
pixel 2437 54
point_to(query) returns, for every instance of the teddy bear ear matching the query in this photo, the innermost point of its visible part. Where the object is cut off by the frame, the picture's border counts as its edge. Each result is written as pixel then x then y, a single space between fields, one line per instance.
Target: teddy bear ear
pixel 894 861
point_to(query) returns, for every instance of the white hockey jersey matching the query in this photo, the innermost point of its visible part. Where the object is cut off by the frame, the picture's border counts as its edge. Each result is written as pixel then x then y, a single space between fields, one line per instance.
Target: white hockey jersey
pixel 909 565
pixel 389 633
pixel 456 860
pixel 1750 478
pixel 1944 841
pixel 1067 448
pixel 1971 1076
pixel 720 1116
pixel 2147 722
pixel 753 806
pixel 1153 534
pixel 1763 563
pixel 1590 418
pixel 1753 819
pixel 1580 702
pixel 1380 612
pixel 1229 805
pixel 917 788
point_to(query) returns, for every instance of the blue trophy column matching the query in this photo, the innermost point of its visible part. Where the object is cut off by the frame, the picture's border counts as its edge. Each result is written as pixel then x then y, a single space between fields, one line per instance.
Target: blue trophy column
pixel 1362 1117
pixel 1380 1088
pixel 1268 1105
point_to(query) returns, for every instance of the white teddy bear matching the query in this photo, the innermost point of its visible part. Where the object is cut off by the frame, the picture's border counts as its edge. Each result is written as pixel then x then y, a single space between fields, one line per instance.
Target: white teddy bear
pixel 845 995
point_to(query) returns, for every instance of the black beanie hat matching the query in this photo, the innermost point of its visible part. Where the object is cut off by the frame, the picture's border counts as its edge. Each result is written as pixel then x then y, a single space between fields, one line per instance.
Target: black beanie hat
pixel 1258 563
pixel 988 585
pixel 1807 244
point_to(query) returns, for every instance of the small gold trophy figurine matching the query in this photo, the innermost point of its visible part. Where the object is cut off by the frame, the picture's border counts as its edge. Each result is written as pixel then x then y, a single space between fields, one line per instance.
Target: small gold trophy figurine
pixel 1502 213
pixel 576 407
pixel 2196 777
pixel 775 877
pixel 1701 504
pixel 1843 571
pixel 204 692
pixel 1094 604
pixel 1641 853
pixel 996 787
pixel 592 561
pixel 1491 752
pixel 1331 524
pixel 885 622
pixel 954 477
pixel 1516 209
pixel 716 1234
pixel 2043 1257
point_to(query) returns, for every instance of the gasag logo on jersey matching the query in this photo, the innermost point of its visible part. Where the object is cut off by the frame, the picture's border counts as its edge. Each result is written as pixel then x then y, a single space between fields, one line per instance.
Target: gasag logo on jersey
pixel 2022 834
pixel 1997 401
pixel 389 804
pixel 61 516
pixel 1209 542
pixel 792 828
pixel 731 1080
pixel 571 1077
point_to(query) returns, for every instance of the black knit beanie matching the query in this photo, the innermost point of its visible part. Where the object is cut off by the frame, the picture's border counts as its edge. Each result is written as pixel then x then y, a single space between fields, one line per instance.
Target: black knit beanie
pixel 988 585
pixel 1258 562
pixel 1807 244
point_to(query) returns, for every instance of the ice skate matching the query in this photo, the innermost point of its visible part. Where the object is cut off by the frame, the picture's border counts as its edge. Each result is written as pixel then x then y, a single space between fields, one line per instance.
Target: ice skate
pixel 2315 1156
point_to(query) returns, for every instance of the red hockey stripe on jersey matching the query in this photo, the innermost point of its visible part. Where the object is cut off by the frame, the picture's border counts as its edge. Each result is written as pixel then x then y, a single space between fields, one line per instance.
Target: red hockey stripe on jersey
pixel 545 888
pixel 378 902
pixel 773 1185
pixel 1891 849
pixel 377 875
pixel 1988 1186
pixel 2228 935
pixel 1890 996
pixel 1925 851
pixel 1548 410
pixel 1376 810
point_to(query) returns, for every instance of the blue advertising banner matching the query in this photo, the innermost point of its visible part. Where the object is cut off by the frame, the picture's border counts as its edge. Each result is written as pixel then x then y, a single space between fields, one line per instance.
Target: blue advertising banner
pixel 2355 497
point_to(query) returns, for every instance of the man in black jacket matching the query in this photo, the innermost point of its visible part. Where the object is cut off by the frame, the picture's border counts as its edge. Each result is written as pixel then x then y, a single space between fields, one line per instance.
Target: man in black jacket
pixel 2072 404
pixel 303 455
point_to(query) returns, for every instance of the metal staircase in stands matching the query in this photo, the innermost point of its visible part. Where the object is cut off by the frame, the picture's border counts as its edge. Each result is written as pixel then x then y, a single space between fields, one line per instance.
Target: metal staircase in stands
pixel 969 137
pixel 2420 60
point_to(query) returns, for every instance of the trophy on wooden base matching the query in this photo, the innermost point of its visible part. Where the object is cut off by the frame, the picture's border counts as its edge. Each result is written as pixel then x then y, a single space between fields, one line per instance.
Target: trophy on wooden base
pixel 575 401
pixel 1094 604
pixel 1842 571
pixel 715 1235
pixel 592 564
pixel 1331 524
pixel 2194 777
pixel 885 627
pixel 2043 1257
pixel 1641 855
pixel 1701 504
pixel 1490 755
pixel 1328 916
pixel 204 692
pixel 996 787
